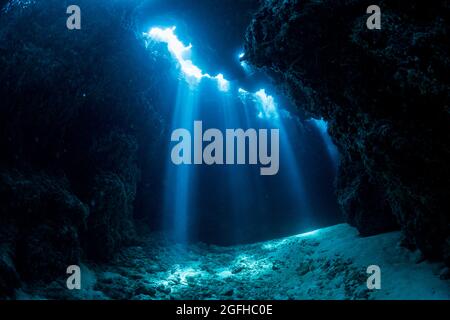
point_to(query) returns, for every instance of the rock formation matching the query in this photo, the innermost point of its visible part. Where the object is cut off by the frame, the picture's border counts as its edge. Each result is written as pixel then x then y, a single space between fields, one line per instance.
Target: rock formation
pixel 75 126
pixel 385 95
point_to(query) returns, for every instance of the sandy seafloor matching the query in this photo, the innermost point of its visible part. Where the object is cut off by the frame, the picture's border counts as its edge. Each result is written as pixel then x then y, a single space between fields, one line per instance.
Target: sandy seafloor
pixel 329 263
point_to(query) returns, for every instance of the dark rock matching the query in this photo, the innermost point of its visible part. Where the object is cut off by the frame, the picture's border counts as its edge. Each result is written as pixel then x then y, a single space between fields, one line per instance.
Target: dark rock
pixel 145 289
pixel 46 252
pixel 385 95
pixel 228 292
pixel 142 297
pixel 164 289
pixel 363 203
pixel 47 218
pixel 110 224
pixel 9 278
pixel 237 269
pixel 446 250
pixel 117 288
pixel 305 267
pixel 445 274
pixel 73 126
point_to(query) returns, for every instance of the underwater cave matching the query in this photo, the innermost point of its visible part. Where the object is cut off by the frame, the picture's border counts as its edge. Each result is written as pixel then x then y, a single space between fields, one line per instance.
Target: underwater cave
pixel 248 149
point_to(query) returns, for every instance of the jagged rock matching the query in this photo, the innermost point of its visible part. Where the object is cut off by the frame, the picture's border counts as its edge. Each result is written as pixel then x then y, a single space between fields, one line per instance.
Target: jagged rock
pixel 47 251
pixel 46 218
pixel 145 289
pixel 9 278
pixel 445 274
pixel 364 204
pixel 110 224
pixel 73 124
pixel 385 95
pixel 228 292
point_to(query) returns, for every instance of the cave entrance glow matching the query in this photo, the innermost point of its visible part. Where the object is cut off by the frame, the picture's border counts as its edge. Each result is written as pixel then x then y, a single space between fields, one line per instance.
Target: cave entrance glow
pixel 221 203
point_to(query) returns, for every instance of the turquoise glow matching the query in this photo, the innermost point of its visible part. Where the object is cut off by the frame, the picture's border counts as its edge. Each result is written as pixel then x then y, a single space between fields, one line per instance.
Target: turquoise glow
pixel 181 52
pixel 265 104
pixel 227 105
pixel 223 84
pixel 244 64
pixel 333 153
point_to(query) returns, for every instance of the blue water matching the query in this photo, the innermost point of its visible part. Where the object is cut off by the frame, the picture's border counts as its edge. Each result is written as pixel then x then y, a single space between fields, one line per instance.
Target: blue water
pixel 234 203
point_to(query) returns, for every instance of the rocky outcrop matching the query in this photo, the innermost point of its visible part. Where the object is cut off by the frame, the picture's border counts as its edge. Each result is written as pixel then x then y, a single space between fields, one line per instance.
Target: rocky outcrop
pixel 9 278
pixel 385 95
pixel 363 203
pixel 110 222
pixel 76 119
pixel 41 220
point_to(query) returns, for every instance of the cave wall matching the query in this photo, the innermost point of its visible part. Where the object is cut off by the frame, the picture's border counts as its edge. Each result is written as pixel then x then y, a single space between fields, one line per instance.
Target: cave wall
pixel 77 122
pixel 385 95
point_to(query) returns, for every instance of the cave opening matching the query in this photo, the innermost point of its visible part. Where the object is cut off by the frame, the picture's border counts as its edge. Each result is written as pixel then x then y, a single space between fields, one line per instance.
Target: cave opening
pixel 221 204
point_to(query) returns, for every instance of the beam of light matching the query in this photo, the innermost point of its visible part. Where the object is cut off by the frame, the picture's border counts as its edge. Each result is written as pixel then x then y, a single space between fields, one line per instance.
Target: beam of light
pixel 181 52
pixel 224 84
pixel 333 153
pixel 267 109
pixel 265 104
pixel 309 234
pixel 243 63
pixel 178 199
